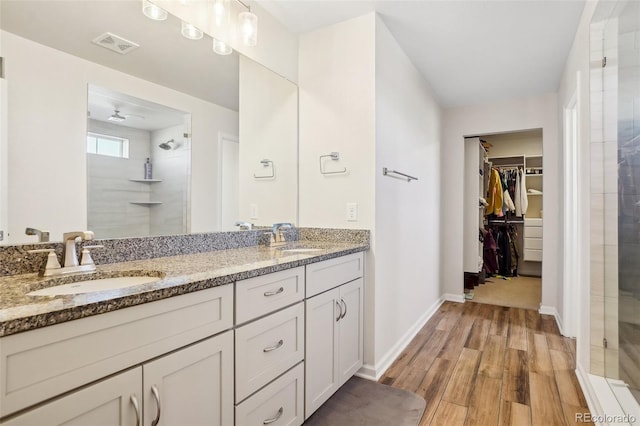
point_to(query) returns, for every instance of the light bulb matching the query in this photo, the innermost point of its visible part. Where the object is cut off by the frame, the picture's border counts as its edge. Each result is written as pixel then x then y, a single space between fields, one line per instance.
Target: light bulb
pixel 221 48
pixel 248 28
pixel 220 12
pixel 191 32
pixel 152 11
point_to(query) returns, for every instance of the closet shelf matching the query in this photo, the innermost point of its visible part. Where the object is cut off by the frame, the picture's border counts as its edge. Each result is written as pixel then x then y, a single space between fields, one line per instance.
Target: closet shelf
pixel 146 203
pixel 146 180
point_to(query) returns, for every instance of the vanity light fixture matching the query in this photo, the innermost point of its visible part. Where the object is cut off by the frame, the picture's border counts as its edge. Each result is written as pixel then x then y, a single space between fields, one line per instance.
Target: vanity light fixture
pixel 190 31
pixel 248 23
pixel 152 11
pixel 221 48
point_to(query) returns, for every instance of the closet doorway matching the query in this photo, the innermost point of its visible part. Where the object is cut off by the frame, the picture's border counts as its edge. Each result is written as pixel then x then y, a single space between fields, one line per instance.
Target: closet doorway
pixel 504 219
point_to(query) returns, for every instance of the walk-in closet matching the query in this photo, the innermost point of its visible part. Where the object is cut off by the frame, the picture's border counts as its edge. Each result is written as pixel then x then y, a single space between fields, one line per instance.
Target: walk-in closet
pixel 504 219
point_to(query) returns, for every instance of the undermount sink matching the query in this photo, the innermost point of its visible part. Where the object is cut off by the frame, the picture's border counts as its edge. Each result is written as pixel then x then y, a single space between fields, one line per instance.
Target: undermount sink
pixel 90 286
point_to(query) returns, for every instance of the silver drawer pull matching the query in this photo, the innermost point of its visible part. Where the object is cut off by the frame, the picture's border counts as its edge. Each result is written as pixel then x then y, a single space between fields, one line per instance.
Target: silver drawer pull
pixel 274 419
pixel 345 308
pixel 273 293
pixel 273 348
pixel 339 308
pixel 134 402
pixel 156 395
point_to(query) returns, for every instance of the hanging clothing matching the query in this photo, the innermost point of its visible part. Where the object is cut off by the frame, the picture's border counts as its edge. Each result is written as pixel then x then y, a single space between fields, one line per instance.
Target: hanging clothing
pixel 524 200
pixel 508 202
pixel 490 255
pixel 494 196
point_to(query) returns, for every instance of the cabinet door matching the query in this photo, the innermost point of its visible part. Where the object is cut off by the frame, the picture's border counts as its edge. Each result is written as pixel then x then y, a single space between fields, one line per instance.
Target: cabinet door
pixel 351 330
pixel 192 386
pixel 321 363
pixel 109 402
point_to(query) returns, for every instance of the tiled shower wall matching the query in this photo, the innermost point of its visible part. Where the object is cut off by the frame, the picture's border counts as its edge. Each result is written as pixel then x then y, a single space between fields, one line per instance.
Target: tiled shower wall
pixel 604 198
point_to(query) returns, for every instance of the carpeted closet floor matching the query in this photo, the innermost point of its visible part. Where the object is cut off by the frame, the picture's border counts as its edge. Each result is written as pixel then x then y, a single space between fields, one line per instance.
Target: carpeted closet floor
pixel 519 292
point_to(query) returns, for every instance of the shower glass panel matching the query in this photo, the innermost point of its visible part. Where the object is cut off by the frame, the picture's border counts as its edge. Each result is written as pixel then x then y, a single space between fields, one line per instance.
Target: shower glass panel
pixel 622 48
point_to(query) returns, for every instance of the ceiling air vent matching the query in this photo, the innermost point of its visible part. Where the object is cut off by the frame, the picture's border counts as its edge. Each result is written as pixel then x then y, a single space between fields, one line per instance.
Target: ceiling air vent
pixel 116 43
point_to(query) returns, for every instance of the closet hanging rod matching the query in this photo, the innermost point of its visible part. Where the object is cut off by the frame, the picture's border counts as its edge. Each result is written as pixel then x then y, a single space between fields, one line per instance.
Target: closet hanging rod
pixel 387 172
pixel 514 166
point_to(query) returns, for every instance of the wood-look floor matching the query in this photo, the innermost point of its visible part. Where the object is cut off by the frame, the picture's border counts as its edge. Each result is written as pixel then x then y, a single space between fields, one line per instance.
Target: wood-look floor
pixel 478 364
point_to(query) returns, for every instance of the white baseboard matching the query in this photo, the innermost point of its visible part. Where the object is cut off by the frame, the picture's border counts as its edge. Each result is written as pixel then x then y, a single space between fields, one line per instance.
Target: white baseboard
pixel 374 372
pixel 550 310
pixel 587 389
pixel 459 298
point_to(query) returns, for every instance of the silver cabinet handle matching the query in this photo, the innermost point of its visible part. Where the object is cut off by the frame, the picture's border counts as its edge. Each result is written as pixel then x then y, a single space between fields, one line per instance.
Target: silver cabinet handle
pixel 274 347
pixel 274 419
pixel 340 308
pixel 156 395
pixel 273 293
pixel 134 402
pixel 345 308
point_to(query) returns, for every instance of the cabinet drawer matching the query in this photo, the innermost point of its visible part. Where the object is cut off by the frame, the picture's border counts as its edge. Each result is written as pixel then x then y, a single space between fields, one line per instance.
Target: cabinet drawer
pixel 267 348
pixel 533 231
pixel 261 295
pixel 531 255
pixel 533 243
pixel 282 400
pixel 94 347
pixel 323 276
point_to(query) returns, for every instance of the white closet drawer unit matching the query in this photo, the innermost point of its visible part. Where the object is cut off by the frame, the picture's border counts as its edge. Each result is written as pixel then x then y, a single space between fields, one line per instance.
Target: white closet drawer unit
pixel 267 348
pixel 279 403
pixel 323 276
pixel 533 243
pixel 532 221
pixel 533 232
pixel 261 295
pixel 532 255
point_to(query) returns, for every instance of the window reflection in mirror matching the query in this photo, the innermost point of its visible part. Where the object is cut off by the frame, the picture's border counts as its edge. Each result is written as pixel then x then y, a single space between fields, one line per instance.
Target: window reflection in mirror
pixel 138 161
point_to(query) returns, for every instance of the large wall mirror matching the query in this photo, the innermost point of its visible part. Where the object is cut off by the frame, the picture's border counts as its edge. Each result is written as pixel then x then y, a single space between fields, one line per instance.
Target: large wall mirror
pixel 234 113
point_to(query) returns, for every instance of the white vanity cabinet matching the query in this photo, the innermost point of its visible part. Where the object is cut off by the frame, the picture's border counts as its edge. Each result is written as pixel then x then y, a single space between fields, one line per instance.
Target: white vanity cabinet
pixel 110 402
pixel 270 343
pixel 41 364
pixel 334 324
pixel 190 386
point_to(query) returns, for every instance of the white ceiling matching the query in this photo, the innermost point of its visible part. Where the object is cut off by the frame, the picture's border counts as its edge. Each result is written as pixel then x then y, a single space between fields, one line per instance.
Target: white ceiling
pixel 470 51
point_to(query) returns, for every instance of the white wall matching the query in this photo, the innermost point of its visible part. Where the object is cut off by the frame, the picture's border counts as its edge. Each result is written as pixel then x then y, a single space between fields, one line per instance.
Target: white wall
pixel 362 97
pixel 575 80
pixel 47 128
pixel 337 113
pixel 407 217
pixel 505 116
pixel 268 130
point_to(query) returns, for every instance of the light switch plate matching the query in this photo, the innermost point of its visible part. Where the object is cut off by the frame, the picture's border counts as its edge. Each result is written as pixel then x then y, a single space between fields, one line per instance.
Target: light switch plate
pixel 253 211
pixel 352 212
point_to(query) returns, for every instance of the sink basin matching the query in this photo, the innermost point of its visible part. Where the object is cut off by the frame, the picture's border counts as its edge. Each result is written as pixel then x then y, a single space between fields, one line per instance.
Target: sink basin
pixel 302 250
pixel 90 286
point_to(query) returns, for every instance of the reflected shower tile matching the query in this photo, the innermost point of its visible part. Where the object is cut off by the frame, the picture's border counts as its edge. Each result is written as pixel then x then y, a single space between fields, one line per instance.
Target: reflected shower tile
pixel 597 360
pixel 595 77
pixel 611 322
pixel 597 270
pixel 612 363
pixel 596 332
pixel 596 174
pixel 597 219
pixel 610 218
pixel 610 271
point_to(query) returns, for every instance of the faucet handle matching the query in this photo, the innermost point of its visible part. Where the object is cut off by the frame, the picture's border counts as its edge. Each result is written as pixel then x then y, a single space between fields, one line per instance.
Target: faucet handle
pixel 52 259
pixel 85 255
pixel 84 235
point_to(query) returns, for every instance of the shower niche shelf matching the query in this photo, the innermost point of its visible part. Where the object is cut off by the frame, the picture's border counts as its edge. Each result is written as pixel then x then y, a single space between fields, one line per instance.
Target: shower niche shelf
pixel 146 180
pixel 146 203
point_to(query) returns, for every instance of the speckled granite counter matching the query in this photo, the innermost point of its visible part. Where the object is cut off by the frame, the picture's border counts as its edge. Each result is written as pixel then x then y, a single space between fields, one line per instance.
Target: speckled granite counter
pixel 180 274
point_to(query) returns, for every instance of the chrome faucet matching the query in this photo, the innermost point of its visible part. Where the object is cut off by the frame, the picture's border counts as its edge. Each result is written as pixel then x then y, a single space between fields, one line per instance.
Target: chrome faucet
pixel 244 226
pixel 70 257
pixel 277 236
pixel 43 236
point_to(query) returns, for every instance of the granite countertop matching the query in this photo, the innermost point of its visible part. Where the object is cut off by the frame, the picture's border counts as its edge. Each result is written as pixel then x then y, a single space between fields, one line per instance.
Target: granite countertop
pixel 179 275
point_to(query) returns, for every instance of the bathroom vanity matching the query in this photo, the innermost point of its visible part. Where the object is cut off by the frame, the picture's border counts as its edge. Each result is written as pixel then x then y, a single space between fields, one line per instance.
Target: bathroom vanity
pixel 164 352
